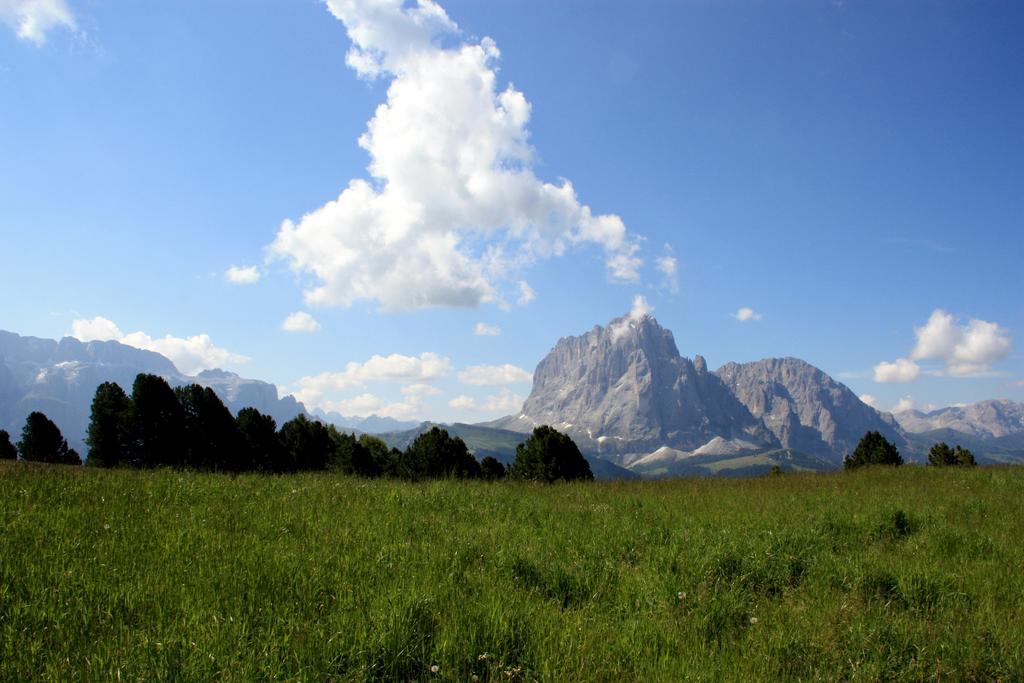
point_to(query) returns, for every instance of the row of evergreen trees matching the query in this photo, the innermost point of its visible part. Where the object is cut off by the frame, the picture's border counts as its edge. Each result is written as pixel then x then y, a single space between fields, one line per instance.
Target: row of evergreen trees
pixel 875 449
pixel 190 427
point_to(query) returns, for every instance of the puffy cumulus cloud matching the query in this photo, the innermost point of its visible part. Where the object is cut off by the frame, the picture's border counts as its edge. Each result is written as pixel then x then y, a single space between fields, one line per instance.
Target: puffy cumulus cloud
pixel 453 208
pixel 503 402
pixel 904 404
pixel 189 354
pixel 639 310
pixel 901 371
pixel 482 375
pixel 463 402
pixel 668 266
pixel 968 350
pixel 96 329
pixel 427 366
pixel 485 330
pixel 300 321
pixel 365 405
pixel 420 390
pixel 746 313
pixel 869 399
pixel 242 275
pixel 526 293
pixel 33 19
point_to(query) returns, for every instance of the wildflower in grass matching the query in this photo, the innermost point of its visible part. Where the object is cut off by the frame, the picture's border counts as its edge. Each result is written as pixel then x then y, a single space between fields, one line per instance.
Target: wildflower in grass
pixel 753 620
pixel 483 658
pixel 681 595
pixel 434 669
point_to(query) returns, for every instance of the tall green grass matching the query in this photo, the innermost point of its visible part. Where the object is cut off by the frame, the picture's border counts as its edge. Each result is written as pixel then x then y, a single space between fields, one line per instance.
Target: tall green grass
pixel 908 574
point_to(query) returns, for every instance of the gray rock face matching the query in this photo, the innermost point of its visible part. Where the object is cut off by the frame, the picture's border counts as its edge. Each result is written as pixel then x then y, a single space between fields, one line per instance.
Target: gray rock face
pixel 986 419
pixel 60 379
pixel 624 389
pixel 804 408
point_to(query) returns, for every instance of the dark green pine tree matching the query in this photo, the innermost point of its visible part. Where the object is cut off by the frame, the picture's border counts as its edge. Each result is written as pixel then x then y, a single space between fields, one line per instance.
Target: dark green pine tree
pixel 434 454
pixel 491 469
pixel 110 427
pixel 212 439
pixel 548 455
pixel 941 455
pixel 8 451
pixel 873 449
pixel 41 441
pixel 262 448
pixel 158 424
pixel 385 460
pixel 307 445
pixel 350 456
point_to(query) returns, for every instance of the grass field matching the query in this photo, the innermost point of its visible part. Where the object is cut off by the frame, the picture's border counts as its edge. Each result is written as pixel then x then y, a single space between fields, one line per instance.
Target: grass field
pixel 889 574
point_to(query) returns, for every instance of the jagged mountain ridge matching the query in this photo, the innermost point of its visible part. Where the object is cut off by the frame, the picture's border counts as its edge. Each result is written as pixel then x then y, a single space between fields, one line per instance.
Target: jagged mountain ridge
pixel 994 419
pixel 625 392
pixel 59 378
pixel 804 408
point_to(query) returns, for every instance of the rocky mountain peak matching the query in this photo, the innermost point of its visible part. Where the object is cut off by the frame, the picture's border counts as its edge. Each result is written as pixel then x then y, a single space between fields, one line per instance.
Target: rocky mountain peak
pixel 803 407
pixel 624 388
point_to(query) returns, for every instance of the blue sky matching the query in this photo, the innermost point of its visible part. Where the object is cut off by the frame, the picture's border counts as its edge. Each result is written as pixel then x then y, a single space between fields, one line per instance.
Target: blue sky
pixel 851 173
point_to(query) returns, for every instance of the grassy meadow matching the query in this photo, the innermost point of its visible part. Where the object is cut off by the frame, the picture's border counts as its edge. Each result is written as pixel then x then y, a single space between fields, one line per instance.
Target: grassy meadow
pixel 907 574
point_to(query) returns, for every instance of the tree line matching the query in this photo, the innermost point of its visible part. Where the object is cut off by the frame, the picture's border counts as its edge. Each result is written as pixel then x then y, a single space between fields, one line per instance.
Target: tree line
pixel 875 449
pixel 189 427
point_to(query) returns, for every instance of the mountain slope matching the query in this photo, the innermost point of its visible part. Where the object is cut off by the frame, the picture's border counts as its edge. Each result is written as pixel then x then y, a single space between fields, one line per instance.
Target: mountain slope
pixel 60 378
pixel 623 391
pixel 984 419
pixel 804 408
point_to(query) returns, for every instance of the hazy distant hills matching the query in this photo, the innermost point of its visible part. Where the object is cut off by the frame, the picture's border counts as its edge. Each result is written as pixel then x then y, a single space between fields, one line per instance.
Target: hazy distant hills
pixel 624 392
pixel 992 429
pixel 631 402
pixel 60 378
pixel 371 424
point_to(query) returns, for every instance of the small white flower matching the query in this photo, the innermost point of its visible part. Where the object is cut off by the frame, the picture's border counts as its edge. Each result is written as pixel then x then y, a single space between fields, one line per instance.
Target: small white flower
pixel 434 669
pixel 681 595
pixel 753 620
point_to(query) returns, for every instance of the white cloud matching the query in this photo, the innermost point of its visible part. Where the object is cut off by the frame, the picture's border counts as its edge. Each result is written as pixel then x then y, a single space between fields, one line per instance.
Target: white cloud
pixel 869 399
pixel 900 371
pixel 481 375
pixel 395 368
pixel 189 354
pixel 485 330
pixel 300 321
pixel 526 293
pixel 967 350
pixel 640 309
pixel 503 402
pixel 32 19
pixel 463 402
pixel 668 266
pixel 905 403
pixel 242 275
pixel 420 390
pixel 453 209
pixel 97 329
pixel 746 313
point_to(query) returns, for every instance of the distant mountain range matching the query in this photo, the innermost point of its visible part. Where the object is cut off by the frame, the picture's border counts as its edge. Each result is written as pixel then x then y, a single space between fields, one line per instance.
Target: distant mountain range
pixel 59 378
pixel 624 392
